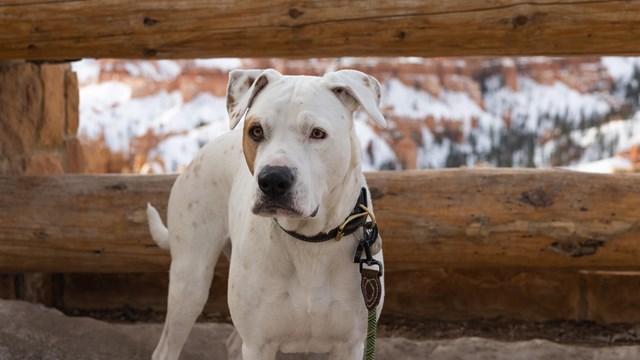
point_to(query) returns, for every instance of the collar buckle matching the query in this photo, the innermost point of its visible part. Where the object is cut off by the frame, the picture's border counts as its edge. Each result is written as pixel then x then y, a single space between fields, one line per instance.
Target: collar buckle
pixel 364 215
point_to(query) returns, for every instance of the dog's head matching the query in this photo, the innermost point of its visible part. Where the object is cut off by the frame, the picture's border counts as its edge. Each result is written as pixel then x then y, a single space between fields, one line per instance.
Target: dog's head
pixel 298 138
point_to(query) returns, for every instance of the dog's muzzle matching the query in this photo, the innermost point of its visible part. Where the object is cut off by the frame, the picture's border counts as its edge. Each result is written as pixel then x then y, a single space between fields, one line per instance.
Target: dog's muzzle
pixel 275 181
pixel 276 192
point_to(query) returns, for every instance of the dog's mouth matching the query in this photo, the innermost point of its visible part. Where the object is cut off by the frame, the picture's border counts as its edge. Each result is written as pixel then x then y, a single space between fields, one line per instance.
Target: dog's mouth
pixel 271 208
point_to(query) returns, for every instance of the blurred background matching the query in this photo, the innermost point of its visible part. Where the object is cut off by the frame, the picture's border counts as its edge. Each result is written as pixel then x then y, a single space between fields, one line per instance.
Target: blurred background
pixel 581 112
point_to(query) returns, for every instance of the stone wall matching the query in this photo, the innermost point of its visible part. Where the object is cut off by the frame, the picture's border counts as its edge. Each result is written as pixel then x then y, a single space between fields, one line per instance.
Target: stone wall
pixel 38 119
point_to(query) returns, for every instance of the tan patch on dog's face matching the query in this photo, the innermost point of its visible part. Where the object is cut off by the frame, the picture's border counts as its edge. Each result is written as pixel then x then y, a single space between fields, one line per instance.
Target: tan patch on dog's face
pixel 249 146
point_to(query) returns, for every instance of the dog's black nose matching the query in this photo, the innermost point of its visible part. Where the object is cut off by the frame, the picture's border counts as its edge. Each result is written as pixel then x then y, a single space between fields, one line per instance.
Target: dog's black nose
pixel 275 181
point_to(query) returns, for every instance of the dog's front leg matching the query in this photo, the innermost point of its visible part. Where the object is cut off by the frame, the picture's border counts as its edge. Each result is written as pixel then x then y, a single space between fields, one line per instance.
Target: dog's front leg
pixel 266 352
pixel 349 351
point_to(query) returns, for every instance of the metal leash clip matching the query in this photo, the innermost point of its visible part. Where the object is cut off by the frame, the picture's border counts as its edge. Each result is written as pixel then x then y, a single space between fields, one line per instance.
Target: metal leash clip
pixel 370 232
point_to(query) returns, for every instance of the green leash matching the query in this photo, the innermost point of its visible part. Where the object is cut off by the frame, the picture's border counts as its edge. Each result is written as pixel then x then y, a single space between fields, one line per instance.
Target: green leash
pixel 370 284
pixel 372 292
pixel 370 345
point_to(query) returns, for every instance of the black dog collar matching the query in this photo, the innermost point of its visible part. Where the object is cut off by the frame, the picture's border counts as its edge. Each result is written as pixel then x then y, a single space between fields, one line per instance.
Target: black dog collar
pixel 356 219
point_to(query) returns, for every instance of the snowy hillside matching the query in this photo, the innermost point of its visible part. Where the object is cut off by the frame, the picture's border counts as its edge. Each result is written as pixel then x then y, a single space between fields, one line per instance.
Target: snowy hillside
pixel 527 115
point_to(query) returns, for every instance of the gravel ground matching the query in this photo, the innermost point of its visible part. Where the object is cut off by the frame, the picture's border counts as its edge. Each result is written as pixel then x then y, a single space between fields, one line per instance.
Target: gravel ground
pixel 30 332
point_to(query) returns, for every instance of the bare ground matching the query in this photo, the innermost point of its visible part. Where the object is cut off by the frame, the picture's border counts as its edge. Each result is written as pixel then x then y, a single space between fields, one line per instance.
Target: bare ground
pixel 584 333
pixel 30 332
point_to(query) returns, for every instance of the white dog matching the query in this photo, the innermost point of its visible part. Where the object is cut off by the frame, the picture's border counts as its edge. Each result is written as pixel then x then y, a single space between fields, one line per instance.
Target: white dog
pixel 273 190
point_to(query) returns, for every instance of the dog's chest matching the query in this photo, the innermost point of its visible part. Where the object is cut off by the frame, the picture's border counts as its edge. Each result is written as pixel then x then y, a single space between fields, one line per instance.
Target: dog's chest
pixel 304 299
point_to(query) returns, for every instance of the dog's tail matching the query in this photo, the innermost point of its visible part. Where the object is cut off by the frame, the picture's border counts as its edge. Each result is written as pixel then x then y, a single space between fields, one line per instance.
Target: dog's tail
pixel 159 232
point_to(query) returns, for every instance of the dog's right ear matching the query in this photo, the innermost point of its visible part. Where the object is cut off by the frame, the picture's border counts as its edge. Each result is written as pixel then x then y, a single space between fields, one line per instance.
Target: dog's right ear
pixel 354 89
pixel 244 86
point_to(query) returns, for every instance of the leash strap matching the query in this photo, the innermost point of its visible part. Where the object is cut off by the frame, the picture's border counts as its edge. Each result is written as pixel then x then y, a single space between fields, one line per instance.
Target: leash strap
pixel 371 291
pixel 370 345
pixel 370 285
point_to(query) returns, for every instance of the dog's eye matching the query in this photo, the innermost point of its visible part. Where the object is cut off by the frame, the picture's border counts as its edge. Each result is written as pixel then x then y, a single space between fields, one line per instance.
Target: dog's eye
pixel 318 134
pixel 256 132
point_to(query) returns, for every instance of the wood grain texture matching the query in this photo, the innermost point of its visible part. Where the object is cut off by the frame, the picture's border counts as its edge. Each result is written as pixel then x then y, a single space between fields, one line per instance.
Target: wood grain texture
pixel 521 218
pixel 57 29
pixel 80 223
pixel 429 219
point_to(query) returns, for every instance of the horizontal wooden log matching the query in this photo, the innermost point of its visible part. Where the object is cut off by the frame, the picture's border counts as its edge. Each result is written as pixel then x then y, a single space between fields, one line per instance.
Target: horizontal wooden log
pixel 429 219
pixel 444 294
pixel 66 29
pixel 428 294
pixel 511 218
pixel 71 223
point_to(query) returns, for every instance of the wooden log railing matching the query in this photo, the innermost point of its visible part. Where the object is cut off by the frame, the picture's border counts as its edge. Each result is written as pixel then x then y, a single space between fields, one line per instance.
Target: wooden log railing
pixel 65 29
pixel 541 219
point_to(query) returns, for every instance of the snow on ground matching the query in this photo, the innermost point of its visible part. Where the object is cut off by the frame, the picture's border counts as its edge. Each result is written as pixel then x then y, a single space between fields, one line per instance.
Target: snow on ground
pixel 159 70
pixel 380 156
pixel 107 110
pixel 225 64
pixel 411 102
pixel 604 166
pixel 87 70
pixel 621 68
pixel 612 137
pixel 536 107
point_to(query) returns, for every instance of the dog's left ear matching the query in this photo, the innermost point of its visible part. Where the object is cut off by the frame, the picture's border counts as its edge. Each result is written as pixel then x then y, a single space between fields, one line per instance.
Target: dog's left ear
pixel 244 86
pixel 350 85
